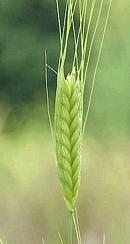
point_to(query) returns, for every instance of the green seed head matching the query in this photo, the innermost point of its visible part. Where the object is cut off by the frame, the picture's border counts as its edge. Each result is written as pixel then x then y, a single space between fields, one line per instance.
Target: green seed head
pixel 68 129
pixel 70 92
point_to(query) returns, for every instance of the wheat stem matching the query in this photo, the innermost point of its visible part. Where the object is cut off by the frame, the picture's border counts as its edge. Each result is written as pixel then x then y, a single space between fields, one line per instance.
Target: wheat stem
pixel 43 242
pixel 70 227
pixel 104 238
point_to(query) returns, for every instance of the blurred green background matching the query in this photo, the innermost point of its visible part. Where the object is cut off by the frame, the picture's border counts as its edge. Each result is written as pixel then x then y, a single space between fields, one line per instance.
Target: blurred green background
pixel 31 204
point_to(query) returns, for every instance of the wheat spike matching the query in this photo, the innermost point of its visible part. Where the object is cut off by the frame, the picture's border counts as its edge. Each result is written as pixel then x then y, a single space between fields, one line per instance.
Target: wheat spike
pixel 68 128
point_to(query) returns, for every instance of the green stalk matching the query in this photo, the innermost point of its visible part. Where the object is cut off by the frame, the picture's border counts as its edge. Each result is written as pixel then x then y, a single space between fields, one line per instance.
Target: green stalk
pixel 70 227
pixel 69 124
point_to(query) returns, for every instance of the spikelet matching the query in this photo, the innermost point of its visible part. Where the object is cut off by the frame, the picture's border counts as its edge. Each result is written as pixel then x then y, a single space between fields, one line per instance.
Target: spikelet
pixel 68 129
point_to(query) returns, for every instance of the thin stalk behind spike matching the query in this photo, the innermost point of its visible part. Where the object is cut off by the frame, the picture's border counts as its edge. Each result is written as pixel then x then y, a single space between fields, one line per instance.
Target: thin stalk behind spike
pixel 85 41
pixel 78 226
pixel 92 41
pixel 95 72
pixel 104 238
pixel 70 227
pixel 47 98
pixel 60 238
pixel 59 21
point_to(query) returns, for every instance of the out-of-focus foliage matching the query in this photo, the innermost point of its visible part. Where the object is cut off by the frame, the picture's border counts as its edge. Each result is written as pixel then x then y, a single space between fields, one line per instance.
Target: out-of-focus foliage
pixel 31 206
pixel 27 28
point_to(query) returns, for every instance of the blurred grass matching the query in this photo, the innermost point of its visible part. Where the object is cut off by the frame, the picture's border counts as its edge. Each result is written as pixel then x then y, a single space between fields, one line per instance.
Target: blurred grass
pixel 31 205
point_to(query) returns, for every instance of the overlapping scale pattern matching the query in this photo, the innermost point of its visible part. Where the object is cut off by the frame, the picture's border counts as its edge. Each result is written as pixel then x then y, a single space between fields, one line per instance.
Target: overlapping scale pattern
pixel 68 128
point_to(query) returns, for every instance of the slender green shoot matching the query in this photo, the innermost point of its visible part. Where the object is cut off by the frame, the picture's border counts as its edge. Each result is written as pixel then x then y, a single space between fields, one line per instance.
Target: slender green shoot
pixel 95 72
pixel 85 41
pixel 59 22
pixel 92 40
pixel 70 227
pixel 43 242
pixel 54 71
pixel 76 230
pixel 104 238
pixel 47 97
pixel 77 227
pixel 60 238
